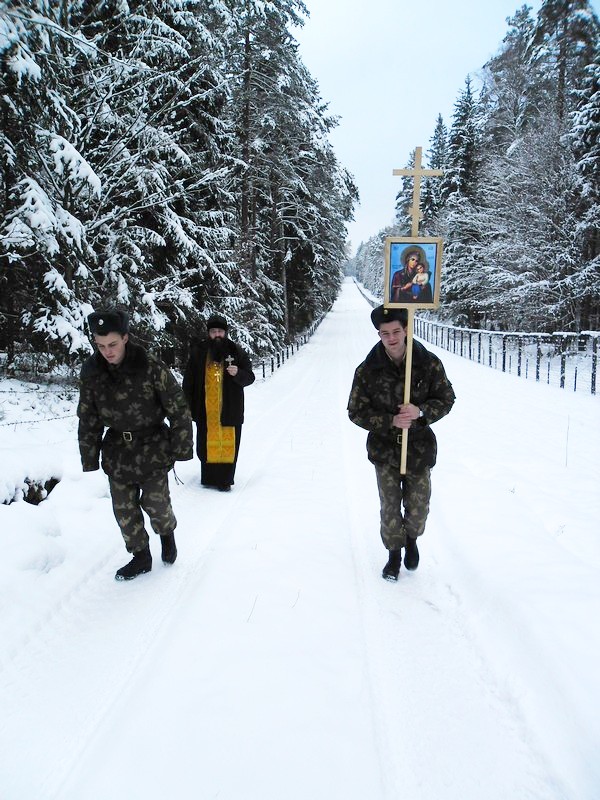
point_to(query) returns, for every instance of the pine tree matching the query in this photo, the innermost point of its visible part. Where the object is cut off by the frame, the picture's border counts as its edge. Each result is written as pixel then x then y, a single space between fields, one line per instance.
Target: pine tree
pixel 46 177
pixel 565 41
pixel 458 191
pixel 404 200
pixel 585 138
pixel 460 176
pixel 294 198
pixel 514 86
pixel 431 195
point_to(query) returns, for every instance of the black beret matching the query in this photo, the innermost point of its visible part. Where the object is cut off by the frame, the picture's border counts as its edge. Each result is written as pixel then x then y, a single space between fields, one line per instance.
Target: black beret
pixel 381 314
pixel 216 321
pixel 108 321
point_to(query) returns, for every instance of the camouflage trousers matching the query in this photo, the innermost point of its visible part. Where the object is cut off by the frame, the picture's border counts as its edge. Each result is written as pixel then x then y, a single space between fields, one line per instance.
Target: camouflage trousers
pixel 404 501
pixel 128 500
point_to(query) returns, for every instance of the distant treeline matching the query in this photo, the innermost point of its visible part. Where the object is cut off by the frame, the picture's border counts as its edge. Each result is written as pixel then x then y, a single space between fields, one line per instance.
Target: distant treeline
pixel 169 158
pixel 518 206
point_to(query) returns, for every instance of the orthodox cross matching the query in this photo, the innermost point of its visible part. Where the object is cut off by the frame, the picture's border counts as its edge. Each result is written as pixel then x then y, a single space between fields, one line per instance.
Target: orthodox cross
pixel 417 172
pixel 229 360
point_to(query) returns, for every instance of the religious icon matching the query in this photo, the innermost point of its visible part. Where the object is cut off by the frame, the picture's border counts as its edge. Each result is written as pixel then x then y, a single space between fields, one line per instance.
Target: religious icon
pixel 412 272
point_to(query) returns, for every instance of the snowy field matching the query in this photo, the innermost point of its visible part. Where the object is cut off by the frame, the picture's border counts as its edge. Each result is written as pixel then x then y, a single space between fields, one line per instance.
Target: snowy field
pixel 272 662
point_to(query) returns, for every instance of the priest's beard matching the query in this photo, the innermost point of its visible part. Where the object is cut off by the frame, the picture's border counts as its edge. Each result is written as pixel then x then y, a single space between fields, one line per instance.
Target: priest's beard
pixel 216 349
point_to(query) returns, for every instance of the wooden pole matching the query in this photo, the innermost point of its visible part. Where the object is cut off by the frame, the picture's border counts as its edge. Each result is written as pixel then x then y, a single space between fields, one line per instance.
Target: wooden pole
pixel 417 172
pixel 407 377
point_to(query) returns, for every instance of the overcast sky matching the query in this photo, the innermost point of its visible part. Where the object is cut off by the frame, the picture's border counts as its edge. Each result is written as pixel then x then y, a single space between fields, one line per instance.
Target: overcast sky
pixel 387 68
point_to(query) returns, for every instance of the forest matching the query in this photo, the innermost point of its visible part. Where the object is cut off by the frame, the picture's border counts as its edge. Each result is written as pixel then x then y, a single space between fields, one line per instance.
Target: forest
pixel 518 205
pixel 172 158
pixel 169 158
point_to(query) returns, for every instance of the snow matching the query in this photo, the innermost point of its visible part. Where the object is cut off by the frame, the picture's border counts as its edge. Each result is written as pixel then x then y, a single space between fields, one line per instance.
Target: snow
pixel 77 168
pixel 272 661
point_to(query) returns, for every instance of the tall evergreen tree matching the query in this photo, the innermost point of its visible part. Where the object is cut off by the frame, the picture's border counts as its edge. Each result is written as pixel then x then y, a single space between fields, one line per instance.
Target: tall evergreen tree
pixel 45 177
pixel 515 86
pixel 458 192
pixel 404 200
pixel 564 39
pixel 294 199
pixel 585 138
pixel 460 178
pixel 431 196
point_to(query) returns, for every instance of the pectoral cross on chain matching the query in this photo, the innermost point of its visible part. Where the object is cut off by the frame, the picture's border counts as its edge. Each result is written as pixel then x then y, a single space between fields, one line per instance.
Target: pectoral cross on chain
pixel 417 172
pixel 229 360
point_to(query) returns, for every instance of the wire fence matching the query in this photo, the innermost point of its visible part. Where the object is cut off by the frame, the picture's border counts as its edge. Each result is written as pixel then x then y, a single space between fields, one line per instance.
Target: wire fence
pixel 567 360
pixel 265 367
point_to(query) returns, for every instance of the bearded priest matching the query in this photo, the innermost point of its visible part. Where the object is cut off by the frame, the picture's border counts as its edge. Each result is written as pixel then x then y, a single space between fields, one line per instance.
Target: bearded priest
pixel 214 379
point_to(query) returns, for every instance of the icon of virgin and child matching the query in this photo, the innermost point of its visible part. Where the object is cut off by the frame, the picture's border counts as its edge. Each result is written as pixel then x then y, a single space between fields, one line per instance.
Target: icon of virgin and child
pixel 411 283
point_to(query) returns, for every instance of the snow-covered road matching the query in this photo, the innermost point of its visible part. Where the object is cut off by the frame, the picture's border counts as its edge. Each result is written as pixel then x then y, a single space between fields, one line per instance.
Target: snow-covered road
pixel 272 662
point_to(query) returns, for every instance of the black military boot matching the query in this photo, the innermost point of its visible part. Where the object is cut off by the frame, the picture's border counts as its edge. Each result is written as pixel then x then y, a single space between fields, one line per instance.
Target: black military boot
pixel 392 568
pixel 140 563
pixel 411 554
pixel 169 548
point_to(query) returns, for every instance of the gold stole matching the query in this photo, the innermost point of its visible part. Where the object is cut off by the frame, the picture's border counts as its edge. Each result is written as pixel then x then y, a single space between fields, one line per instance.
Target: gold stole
pixel 220 441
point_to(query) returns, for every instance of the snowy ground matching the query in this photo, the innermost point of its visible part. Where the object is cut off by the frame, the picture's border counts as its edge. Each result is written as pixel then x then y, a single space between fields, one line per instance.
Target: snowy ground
pixel 272 662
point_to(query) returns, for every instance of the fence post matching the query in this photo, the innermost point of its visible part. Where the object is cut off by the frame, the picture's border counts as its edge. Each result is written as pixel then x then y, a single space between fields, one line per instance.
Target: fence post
pixel 503 353
pixel 594 363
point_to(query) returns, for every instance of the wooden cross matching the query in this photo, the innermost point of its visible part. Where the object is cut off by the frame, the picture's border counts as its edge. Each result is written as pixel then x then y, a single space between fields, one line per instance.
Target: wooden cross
pixel 417 172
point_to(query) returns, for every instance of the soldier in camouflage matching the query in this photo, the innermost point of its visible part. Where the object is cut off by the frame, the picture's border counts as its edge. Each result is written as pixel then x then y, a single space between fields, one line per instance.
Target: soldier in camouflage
pixel 130 392
pixel 376 404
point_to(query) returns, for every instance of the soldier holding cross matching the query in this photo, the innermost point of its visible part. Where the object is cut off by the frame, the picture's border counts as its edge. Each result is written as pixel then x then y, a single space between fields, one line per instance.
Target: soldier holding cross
pixel 376 404
pixel 215 376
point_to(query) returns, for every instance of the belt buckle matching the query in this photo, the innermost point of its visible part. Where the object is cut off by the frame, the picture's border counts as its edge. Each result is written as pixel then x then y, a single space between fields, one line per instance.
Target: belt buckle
pixel 399 439
pixel 127 437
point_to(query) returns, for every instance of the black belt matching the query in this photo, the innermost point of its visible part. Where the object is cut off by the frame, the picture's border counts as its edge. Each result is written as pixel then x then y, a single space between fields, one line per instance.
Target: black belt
pixel 129 436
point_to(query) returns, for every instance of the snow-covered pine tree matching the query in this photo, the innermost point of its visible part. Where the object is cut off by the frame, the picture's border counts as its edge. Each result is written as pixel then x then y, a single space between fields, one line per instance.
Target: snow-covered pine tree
pixel 368 263
pixel 294 199
pixel 515 86
pixel 46 175
pixel 404 200
pixel 160 232
pixel 457 193
pixel 585 140
pixel 431 193
pixel 564 41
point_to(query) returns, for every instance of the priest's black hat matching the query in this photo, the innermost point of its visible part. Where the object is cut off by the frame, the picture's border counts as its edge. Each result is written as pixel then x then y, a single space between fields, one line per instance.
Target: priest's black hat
pixel 110 320
pixel 216 321
pixel 381 314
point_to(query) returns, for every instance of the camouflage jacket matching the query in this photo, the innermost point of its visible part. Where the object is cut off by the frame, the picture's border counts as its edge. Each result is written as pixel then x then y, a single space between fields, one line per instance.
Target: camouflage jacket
pixel 132 398
pixel 378 390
